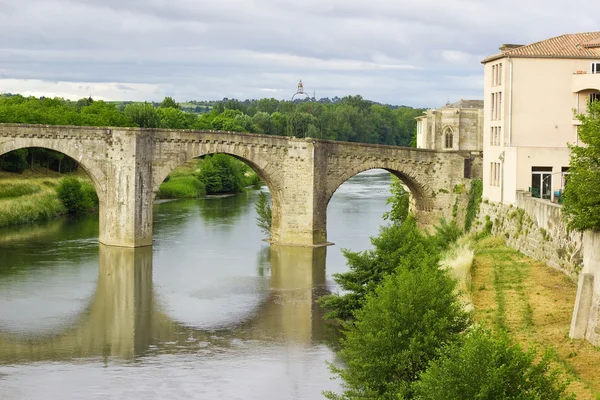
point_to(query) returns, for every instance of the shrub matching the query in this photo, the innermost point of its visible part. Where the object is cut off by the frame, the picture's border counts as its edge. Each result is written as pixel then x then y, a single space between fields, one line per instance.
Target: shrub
pixel 77 198
pixel 264 213
pixel 488 367
pixel 400 329
pixel 221 173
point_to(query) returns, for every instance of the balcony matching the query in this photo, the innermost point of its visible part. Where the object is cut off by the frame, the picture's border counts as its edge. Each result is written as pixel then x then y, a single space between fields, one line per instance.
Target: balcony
pixel 583 80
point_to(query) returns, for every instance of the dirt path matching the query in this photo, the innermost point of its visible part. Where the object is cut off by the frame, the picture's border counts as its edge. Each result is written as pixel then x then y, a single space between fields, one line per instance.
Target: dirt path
pixel 533 303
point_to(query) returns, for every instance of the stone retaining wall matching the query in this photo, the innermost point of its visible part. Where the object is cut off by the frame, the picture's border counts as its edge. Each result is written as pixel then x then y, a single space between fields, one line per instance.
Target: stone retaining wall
pixel 535 227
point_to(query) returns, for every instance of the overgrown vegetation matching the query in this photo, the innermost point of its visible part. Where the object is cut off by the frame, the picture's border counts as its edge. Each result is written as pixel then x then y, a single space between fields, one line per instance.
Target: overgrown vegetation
pixel 474 203
pixel 581 202
pixel 403 313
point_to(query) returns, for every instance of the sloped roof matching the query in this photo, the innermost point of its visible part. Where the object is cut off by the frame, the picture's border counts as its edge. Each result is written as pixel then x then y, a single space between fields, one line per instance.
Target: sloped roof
pixel 570 45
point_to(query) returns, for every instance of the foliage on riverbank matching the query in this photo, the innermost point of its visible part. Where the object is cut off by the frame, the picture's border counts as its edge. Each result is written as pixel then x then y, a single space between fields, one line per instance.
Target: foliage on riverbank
pixel 405 325
pixel 27 201
pixel 216 174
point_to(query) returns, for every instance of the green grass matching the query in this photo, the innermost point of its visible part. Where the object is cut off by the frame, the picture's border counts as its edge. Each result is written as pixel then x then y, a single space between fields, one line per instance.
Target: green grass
pixel 16 189
pixel 36 207
pixel 181 187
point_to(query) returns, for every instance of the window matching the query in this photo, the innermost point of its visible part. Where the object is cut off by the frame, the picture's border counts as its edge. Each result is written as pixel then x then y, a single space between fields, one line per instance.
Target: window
pixel 495 174
pixel 541 182
pixel 596 68
pixel 448 138
pixel 495 136
pixel 497 74
pixel 594 96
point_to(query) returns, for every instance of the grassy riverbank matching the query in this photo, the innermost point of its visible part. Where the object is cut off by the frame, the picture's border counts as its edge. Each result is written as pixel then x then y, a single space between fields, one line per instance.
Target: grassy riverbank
pixel 28 197
pixel 533 303
pixel 32 196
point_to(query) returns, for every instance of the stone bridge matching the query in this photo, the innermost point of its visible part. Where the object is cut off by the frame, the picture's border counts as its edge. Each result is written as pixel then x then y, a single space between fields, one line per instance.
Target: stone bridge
pixel 127 166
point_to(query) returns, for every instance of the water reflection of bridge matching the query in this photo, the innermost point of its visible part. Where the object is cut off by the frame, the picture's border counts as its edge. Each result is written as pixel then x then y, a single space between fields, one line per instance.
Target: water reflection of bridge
pixel 124 320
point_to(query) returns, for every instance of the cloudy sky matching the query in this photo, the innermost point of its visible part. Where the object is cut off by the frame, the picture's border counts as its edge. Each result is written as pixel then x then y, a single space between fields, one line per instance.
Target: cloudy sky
pixel 417 53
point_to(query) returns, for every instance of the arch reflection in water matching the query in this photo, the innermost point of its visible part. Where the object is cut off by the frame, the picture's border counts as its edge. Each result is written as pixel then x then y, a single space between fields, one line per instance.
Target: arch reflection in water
pixel 124 320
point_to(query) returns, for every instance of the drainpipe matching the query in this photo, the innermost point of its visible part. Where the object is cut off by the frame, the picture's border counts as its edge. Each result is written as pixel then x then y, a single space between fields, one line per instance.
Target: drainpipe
pixel 510 85
pixel 501 158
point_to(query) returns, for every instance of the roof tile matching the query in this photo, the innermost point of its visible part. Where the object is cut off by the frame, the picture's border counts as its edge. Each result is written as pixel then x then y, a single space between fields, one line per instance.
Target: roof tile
pixel 571 45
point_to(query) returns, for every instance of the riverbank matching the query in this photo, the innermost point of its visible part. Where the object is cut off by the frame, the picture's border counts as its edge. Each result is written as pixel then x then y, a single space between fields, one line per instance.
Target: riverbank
pixel 533 303
pixel 29 197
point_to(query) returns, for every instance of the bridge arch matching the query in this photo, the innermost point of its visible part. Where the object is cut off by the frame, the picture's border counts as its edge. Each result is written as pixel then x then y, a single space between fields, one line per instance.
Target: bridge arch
pixel 165 162
pixel 89 166
pixel 420 192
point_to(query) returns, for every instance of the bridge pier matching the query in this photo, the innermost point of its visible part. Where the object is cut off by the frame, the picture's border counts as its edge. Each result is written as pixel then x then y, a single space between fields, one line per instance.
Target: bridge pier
pixel 126 205
pixel 299 211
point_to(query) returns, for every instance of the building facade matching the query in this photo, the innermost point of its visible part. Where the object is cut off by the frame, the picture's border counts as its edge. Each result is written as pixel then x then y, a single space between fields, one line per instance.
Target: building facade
pixel 532 94
pixel 456 126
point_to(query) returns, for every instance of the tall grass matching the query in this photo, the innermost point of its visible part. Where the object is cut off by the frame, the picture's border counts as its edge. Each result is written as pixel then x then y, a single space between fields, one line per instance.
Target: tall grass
pixel 16 189
pixel 458 259
pixel 35 207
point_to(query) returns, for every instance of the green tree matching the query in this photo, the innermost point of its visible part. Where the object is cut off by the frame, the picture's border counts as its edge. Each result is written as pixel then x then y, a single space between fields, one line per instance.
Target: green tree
pixel 221 173
pixel 398 246
pixel 264 213
pixel 169 102
pixel 581 201
pixel 486 367
pixel 400 201
pixel 401 328
pixel 143 115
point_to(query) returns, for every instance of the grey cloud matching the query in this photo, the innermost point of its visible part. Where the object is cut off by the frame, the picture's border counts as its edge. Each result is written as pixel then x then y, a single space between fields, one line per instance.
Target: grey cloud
pixel 415 53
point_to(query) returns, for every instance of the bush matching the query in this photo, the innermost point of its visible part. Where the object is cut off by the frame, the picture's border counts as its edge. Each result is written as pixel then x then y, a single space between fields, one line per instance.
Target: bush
pixel 400 329
pixel 77 198
pixel 221 173
pixel 487 367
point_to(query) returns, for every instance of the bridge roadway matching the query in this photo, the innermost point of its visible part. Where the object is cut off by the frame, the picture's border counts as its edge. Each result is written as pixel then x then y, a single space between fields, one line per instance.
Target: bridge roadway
pixel 127 166
pixel 124 319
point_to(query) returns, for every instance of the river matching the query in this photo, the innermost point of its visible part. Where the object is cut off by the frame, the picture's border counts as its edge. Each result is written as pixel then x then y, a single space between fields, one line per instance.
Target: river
pixel 210 311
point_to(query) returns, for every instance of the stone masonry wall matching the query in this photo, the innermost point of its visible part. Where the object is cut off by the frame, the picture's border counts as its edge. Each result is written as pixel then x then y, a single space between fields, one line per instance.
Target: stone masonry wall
pixel 535 228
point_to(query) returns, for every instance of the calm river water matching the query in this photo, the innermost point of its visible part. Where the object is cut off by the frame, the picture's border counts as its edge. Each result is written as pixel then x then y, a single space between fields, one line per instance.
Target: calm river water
pixel 209 312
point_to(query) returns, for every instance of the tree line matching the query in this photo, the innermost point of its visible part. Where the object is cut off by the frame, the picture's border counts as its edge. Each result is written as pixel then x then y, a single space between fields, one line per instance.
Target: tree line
pixel 351 118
